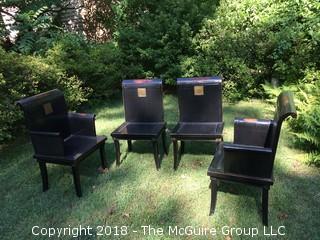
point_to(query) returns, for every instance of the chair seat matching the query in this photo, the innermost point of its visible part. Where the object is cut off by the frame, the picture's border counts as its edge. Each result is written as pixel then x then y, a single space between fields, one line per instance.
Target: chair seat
pixel 76 147
pixel 198 130
pixel 135 130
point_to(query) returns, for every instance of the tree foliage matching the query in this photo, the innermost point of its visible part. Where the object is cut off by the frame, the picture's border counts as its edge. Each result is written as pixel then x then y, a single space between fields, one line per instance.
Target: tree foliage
pixel 154 36
pixel 251 42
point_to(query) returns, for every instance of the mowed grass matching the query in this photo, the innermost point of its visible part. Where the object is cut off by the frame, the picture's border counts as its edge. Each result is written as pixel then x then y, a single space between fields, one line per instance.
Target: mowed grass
pixel 135 194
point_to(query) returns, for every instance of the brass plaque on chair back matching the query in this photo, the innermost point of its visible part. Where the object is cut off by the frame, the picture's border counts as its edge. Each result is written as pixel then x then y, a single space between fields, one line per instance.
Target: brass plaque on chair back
pixel 198 90
pixel 47 108
pixel 142 92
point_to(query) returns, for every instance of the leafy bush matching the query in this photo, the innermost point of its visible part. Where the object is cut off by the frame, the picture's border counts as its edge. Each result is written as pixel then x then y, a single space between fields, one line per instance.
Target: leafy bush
pixel 155 36
pixel 22 76
pixel 98 66
pixel 251 42
pixel 306 127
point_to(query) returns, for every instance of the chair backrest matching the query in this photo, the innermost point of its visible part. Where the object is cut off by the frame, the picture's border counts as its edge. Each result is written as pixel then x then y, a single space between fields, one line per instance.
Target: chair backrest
pixel 46 112
pixel 284 109
pixel 200 99
pixel 143 100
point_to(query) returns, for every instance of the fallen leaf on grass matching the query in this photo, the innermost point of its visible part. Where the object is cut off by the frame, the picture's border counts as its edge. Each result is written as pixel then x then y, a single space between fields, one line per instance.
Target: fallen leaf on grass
pixel 103 170
pixel 112 209
pixel 282 216
pixel 197 164
pixel 228 237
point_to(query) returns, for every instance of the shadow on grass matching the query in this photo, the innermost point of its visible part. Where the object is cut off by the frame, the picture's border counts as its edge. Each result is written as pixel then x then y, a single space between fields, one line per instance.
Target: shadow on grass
pixel 243 190
pixel 200 147
pixel 25 205
pixel 140 147
pixel 288 206
pixel 290 198
pixel 135 194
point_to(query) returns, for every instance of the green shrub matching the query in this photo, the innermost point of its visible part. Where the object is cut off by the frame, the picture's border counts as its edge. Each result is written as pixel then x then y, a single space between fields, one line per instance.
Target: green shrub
pixel 98 66
pixel 252 42
pixel 306 127
pixel 22 76
pixel 155 36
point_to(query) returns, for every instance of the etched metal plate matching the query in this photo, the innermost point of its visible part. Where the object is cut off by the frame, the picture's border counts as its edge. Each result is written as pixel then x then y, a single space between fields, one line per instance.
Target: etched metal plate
pixel 198 90
pixel 47 108
pixel 142 92
pixel 250 120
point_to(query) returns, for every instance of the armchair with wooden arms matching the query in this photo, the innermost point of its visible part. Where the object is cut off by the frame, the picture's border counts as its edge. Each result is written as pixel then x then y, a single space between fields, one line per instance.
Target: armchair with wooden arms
pixel 59 136
pixel 250 158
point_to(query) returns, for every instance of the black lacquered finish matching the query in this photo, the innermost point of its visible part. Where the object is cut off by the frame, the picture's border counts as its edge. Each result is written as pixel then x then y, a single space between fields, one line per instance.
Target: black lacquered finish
pixel 59 136
pixel 144 116
pixel 250 158
pixel 200 112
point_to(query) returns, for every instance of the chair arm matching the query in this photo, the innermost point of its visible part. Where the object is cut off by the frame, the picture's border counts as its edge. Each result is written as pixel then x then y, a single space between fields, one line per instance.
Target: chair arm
pixel 232 147
pixel 47 143
pixel 248 160
pixel 82 124
pixel 251 131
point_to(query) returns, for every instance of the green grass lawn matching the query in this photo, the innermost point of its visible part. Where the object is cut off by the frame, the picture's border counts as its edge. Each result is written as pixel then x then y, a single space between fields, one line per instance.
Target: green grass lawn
pixel 135 194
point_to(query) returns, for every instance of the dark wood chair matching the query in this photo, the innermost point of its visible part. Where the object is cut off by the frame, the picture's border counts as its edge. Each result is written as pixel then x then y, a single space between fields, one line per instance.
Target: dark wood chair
pixel 250 159
pixel 59 136
pixel 200 109
pixel 144 116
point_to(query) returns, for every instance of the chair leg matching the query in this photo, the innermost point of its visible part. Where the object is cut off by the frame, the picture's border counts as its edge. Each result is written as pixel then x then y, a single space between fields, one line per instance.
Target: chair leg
pixel 164 144
pixel 129 145
pixel 175 154
pixel 117 149
pixel 265 200
pixel 104 162
pixel 156 153
pixel 182 147
pixel 214 190
pixel 76 180
pixel 44 176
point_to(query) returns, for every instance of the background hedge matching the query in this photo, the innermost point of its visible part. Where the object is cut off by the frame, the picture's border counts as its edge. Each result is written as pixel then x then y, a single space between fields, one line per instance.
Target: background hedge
pixel 250 43
pixel 22 76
